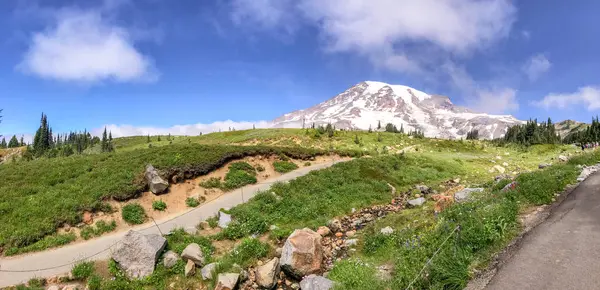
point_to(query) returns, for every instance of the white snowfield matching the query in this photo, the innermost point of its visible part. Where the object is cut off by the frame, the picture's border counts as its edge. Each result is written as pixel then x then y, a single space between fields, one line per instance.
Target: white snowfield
pixel 369 103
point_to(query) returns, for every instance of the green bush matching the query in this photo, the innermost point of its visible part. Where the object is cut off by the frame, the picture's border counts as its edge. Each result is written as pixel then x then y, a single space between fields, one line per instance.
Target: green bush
pixel 213 221
pixel 100 228
pixel 82 270
pixel 37 283
pixel 192 202
pixel 238 178
pixel 260 168
pixel 159 205
pixel 244 166
pixel 284 166
pixel 94 283
pixel 133 213
pixel 55 240
pixel 213 182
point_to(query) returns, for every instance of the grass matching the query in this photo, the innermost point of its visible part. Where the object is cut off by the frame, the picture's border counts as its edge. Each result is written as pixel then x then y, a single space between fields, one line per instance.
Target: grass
pixel 192 202
pixel 100 228
pixel 52 192
pixel 83 270
pixel 284 166
pixel 213 182
pixel 159 205
pixel 52 241
pixel 242 256
pixel 134 214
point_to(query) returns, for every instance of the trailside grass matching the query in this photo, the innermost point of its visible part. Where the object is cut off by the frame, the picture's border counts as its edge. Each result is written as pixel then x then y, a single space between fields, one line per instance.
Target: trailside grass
pixel 37 197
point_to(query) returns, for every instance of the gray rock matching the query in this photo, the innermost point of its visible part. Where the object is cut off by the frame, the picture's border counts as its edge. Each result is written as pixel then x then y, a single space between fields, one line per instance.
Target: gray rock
pixel 314 282
pixel 498 168
pixel 387 230
pixel 227 281
pixel 510 186
pixel 266 275
pixel 137 254
pixel 351 242
pixel 224 219
pixel 422 188
pixel 207 271
pixel 302 253
pixel 335 225
pixel 417 201
pixel 190 268
pixel 563 158
pixel 544 165
pixel 193 252
pixel 170 259
pixel 465 194
pixel 53 287
pixel 156 183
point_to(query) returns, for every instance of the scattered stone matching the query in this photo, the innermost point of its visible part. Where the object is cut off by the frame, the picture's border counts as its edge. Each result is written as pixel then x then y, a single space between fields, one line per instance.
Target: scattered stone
pixel 170 259
pixel 351 242
pixel 563 158
pixel 278 252
pixel 499 157
pixel 53 287
pixel 544 165
pixel 422 188
pixel 227 281
pixel 498 168
pixel 244 275
pixel 323 231
pixel 273 227
pixel 505 164
pixel 70 287
pixel 266 275
pixel 207 271
pixel 335 225
pixel 417 201
pixel 224 219
pixel 350 233
pixel 302 253
pixel 384 272
pixel 456 180
pixel 203 225
pixel 190 268
pixel 510 186
pixel 387 230
pixel 587 171
pixel 67 228
pixel 137 254
pixel 339 234
pixel 193 252
pixel 156 183
pixel 314 282
pixel 465 194
pixel 353 210
pixel 87 218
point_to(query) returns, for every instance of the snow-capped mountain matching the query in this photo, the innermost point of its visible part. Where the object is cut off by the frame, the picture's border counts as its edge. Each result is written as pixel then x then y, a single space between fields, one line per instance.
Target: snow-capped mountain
pixel 368 103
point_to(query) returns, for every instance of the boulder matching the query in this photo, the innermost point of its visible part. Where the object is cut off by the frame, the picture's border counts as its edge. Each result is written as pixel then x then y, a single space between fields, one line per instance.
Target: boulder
pixel 417 201
pixel 465 194
pixel 87 218
pixel 510 186
pixel 498 168
pixel 563 158
pixel 170 259
pixel 505 164
pixel 266 275
pixel 387 230
pixel 302 253
pixel 335 225
pixel 422 188
pixel 193 252
pixel 156 183
pixel 314 282
pixel 323 231
pixel 351 242
pixel 227 281
pixel 544 165
pixel 53 287
pixel 224 219
pixel 190 268
pixel 137 254
pixel 207 271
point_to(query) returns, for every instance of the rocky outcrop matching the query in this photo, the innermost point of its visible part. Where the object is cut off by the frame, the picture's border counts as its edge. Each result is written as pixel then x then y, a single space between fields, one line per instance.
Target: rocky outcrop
pixel 465 194
pixel 544 165
pixel 266 275
pixel 224 219
pixel 314 282
pixel 387 230
pixel 156 183
pixel 170 259
pixel 194 253
pixel 302 253
pixel 137 254
pixel 190 268
pixel 227 281
pixel 417 201
pixel 207 271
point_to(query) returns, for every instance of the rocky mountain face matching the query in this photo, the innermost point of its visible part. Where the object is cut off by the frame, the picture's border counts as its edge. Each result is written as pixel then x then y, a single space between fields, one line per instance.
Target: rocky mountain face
pixel 566 127
pixel 368 103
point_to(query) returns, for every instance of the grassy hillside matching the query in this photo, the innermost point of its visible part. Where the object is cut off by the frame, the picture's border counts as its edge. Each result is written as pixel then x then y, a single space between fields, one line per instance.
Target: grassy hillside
pixel 38 196
pixel 566 127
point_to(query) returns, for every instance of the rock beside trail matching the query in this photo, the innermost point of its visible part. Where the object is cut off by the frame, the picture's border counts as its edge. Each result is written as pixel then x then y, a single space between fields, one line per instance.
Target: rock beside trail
pixel 465 194
pixel 224 219
pixel 323 231
pixel 424 189
pixel 156 183
pixel 137 254
pixel 587 171
pixel 387 230
pixel 227 281
pixel 498 168
pixel 190 268
pixel 170 259
pixel 563 158
pixel 417 201
pixel 314 282
pixel 302 253
pixel 266 275
pixel 193 252
pixel 510 186
pixel 335 225
pixel 207 271
pixel 544 165
pixel 53 287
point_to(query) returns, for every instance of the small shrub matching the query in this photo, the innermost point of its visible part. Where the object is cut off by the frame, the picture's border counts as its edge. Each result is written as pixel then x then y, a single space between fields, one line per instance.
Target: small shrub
pixel 238 178
pixel 213 182
pixel 192 202
pixel 159 205
pixel 284 166
pixel 134 214
pixel 244 166
pixel 94 282
pixel 307 163
pixel 260 168
pixel 213 221
pixel 83 270
pixel 36 283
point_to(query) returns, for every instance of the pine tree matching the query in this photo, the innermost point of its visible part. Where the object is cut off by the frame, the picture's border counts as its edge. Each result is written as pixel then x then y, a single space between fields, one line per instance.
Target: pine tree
pixel 370 129
pixel 104 141
pixel 401 128
pixel 148 139
pixel 13 143
pixel 379 125
pixel 3 145
pixel 159 138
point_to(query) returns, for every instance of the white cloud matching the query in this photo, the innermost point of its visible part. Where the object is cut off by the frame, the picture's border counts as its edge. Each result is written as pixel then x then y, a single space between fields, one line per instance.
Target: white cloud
pixel 84 46
pixel 536 66
pixel 264 14
pixel 587 96
pixel 194 129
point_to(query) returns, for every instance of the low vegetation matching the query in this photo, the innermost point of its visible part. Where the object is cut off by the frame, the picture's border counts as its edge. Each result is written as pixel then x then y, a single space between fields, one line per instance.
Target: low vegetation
pixel 55 240
pixel 133 213
pixel 284 166
pixel 159 205
pixel 100 228
pixel 239 174
pixel 192 202
pixel 83 270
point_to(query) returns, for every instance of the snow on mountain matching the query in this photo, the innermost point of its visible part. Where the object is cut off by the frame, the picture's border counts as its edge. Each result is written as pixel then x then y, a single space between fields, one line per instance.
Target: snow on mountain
pixel 368 103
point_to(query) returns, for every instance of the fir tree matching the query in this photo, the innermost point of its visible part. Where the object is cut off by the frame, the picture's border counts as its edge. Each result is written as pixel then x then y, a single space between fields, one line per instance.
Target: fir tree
pixel 370 129
pixel 13 143
pixel 3 145
pixel 148 139
pixel 104 141
pixel 401 128
pixel 379 125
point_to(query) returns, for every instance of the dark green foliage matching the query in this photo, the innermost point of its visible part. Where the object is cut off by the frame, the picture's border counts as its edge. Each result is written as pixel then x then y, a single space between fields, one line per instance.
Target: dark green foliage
pixel 178 239
pixel 133 213
pixel 106 143
pixel 13 143
pixel 417 134
pixel 473 134
pixel 94 282
pixel 284 166
pixel 159 205
pixel 83 270
pixel 44 243
pixel 97 230
pixel 356 140
pixel 37 283
pixel 389 127
pixel 260 168
pixel 237 178
pixel 52 192
pixel 590 134
pixel 192 202
pixel 531 133
pixel 3 144
pixel 244 166
pixel 213 182
pixel 379 138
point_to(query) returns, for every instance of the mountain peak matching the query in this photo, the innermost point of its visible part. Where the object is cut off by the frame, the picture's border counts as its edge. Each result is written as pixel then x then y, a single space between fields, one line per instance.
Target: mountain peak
pixel 369 103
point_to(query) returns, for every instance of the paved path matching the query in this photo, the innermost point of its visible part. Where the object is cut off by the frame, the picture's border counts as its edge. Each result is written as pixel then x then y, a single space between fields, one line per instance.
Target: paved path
pixel 59 261
pixel 564 251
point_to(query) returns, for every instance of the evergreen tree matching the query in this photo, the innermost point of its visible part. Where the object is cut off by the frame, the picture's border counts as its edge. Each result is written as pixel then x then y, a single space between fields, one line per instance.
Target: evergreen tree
pixel 148 139
pixel 356 140
pixel 22 143
pixel 104 141
pixel 3 145
pixel 13 143
pixel 159 136
pixel 43 135
pixel 401 128
pixel 473 134
pixel 379 125
pixel 370 129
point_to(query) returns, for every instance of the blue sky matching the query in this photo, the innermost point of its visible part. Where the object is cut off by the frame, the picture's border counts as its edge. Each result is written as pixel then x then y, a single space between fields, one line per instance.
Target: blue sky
pixel 145 66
